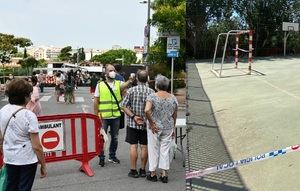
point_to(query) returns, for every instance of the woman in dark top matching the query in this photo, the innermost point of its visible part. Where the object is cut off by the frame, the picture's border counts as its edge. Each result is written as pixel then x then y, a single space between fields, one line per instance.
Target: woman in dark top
pixel 94 81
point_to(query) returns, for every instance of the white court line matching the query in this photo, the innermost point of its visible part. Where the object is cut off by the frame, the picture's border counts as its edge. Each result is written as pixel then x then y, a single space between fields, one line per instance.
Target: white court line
pixel 278 88
pixel 45 98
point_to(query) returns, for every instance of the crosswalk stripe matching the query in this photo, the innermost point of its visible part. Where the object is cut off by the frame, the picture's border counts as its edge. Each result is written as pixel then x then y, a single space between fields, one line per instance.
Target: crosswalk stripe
pixel 77 99
pixel 45 98
pixel 5 99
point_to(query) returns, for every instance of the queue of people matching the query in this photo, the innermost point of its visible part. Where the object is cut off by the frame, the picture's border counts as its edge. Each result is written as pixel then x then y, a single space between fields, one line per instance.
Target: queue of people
pixel 150 119
pixel 19 139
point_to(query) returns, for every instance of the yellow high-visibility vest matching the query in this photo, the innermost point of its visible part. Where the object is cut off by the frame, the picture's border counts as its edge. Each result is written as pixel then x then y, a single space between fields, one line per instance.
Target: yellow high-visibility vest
pixel 107 104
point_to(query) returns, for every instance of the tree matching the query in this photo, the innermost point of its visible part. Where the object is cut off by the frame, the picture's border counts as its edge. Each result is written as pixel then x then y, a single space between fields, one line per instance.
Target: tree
pixel 200 14
pixel 23 43
pixel 65 54
pixel 266 17
pixel 29 63
pixel 81 56
pixel 110 57
pixel 9 45
pixel 168 16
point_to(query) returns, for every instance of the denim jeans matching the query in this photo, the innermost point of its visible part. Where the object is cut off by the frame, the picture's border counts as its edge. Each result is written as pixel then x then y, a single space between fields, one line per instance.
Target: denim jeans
pixel 114 125
pixel 20 177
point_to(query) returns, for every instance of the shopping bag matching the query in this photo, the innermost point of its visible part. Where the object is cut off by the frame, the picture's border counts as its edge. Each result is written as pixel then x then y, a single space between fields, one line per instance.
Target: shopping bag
pixel 3 178
pixel 105 138
pixel 172 150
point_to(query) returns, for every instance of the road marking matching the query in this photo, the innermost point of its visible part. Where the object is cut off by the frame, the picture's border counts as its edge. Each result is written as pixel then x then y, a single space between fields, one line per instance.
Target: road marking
pixel 85 108
pixel 45 98
pixel 5 99
pixel 77 99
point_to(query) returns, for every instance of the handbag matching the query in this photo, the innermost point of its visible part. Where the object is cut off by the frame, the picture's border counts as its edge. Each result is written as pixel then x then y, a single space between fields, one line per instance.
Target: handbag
pixel 3 171
pixel 122 113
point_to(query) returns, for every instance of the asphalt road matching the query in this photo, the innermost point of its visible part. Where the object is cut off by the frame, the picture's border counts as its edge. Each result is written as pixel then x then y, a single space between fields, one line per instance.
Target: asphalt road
pixel 113 177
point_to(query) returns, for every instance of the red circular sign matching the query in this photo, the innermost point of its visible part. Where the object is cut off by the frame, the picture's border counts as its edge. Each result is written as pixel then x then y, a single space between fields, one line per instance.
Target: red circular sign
pixel 50 139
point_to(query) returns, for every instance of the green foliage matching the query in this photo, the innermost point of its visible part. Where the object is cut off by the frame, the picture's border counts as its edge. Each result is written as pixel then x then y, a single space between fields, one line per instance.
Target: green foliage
pixel 9 45
pixel 65 54
pixel 206 18
pixel 42 63
pixel 81 56
pixel 168 16
pixel 266 17
pixel 110 57
pixel 29 63
pixel 18 54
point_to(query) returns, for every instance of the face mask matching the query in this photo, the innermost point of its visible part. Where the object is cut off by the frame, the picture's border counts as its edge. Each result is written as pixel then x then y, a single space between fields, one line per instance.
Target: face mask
pixel 112 74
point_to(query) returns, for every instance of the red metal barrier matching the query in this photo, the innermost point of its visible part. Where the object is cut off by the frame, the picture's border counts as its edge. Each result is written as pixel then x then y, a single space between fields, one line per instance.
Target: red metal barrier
pixel 71 151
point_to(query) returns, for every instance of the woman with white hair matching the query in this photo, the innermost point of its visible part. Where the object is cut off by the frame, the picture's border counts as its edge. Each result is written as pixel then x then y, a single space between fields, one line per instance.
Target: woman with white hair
pixel 161 112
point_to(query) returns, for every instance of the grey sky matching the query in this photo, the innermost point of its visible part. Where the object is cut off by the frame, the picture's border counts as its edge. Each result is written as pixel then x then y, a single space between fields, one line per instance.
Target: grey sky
pixel 79 23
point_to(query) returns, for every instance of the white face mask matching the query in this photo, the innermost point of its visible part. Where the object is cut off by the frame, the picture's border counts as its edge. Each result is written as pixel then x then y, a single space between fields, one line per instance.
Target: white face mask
pixel 112 74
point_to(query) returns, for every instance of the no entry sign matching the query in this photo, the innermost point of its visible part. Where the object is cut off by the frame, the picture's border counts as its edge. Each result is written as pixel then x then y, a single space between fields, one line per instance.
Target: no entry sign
pixel 52 136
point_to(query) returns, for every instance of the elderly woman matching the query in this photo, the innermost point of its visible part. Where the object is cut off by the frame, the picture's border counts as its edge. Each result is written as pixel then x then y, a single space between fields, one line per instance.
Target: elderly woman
pixel 161 112
pixel 19 138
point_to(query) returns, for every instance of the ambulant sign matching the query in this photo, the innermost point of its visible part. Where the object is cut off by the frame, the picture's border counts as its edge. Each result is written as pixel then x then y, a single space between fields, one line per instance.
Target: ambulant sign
pixel 173 46
pixel 52 136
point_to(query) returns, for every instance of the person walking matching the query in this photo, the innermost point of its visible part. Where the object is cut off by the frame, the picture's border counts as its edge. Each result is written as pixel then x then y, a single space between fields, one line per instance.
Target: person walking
pixel 133 105
pixel 34 104
pixel 106 106
pixel 59 86
pixel 161 112
pixel 93 84
pixel 41 81
pixel 69 85
pixel 20 139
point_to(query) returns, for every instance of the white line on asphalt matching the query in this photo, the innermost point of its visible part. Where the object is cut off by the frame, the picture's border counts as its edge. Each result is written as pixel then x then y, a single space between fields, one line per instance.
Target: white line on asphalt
pixel 45 98
pixel 77 99
pixel 5 99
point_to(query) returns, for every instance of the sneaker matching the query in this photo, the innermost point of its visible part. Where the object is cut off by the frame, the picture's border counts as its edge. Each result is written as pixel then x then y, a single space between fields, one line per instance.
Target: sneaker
pixel 151 178
pixel 163 179
pixel 142 172
pixel 114 160
pixel 133 173
pixel 101 162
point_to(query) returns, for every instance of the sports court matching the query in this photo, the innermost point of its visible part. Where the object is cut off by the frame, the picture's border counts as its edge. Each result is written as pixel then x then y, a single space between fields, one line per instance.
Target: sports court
pixel 256 114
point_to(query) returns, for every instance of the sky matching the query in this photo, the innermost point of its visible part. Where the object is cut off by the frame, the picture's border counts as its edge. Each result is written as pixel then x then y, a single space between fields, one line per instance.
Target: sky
pixel 96 24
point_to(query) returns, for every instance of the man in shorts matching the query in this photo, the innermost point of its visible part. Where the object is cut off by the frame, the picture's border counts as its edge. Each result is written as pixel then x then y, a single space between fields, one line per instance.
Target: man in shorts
pixel 136 133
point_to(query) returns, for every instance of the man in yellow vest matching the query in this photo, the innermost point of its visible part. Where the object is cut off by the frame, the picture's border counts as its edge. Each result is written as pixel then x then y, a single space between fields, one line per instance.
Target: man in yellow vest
pixel 106 107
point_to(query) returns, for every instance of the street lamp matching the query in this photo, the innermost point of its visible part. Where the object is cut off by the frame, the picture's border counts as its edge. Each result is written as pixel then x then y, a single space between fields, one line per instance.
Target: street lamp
pixel 147 30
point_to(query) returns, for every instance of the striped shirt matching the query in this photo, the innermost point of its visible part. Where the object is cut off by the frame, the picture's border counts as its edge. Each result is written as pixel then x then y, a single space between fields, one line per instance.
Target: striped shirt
pixel 135 100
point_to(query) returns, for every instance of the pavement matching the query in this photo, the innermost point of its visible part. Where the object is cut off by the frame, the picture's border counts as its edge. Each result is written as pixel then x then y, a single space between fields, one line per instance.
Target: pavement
pixel 205 146
pixel 253 114
pixel 113 177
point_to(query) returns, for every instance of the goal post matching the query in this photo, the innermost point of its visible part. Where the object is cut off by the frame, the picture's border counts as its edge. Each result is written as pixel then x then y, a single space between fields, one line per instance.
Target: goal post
pixel 237 33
